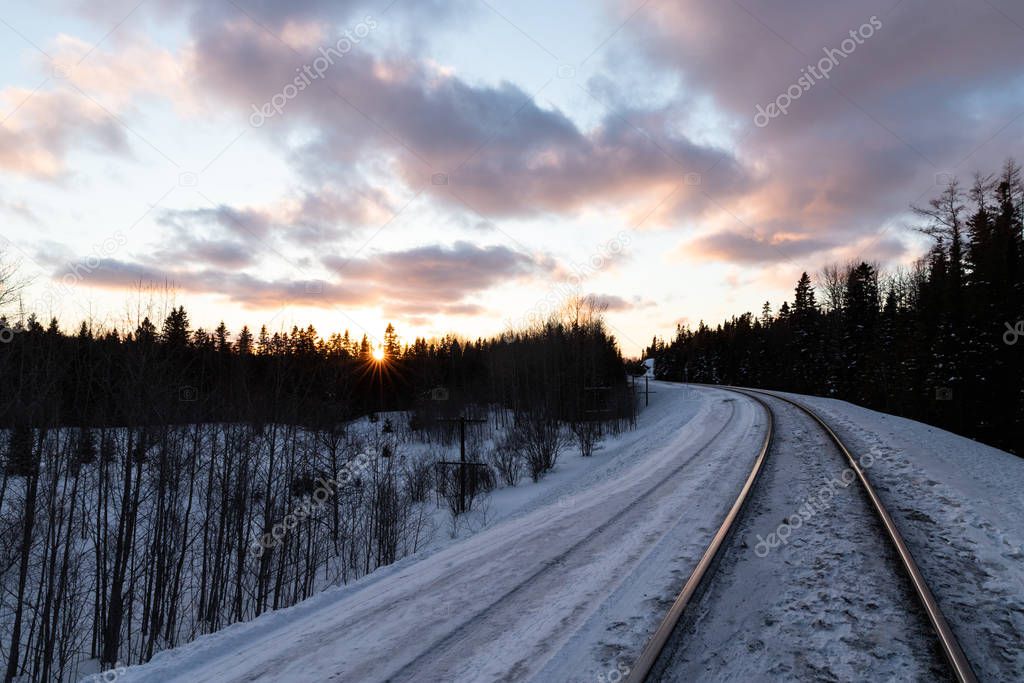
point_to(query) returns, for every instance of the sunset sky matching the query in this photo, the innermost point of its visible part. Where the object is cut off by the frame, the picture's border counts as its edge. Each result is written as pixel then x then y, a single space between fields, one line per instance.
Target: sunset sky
pixel 454 166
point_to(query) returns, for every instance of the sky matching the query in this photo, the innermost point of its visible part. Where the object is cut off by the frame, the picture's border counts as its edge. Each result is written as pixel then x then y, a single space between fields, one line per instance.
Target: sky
pixel 463 166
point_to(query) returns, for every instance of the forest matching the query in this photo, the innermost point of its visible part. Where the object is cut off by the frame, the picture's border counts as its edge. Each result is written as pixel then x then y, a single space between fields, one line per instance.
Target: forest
pixel 936 342
pixel 161 482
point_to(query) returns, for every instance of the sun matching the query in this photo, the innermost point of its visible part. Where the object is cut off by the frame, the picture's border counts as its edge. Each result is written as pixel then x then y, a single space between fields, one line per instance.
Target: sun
pixel 378 354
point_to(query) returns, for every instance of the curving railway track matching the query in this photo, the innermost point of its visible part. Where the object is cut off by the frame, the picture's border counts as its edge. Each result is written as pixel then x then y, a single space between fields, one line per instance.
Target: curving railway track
pixel 656 662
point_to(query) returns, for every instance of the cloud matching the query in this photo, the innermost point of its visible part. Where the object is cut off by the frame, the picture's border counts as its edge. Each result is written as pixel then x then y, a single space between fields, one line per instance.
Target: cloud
pixel 494 147
pixel 237 287
pixel 231 236
pixel 433 276
pixel 424 280
pixel 501 153
pixel 41 128
pixel 750 249
pixel 610 302
pixel 243 223
pixel 137 67
pixel 21 210
pixel 220 253
pixel 852 153
pixel 77 107
pixel 857 148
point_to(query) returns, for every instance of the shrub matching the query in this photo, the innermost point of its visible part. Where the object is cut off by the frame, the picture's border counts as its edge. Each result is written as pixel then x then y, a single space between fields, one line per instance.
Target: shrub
pixel 506 456
pixel 419 478
pixel 542 439
pixel 587 433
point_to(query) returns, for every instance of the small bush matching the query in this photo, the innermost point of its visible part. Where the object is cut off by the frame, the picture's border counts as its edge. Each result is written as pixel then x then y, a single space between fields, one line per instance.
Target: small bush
pixel 479 480
pixel 506 457
pixel 586 433
pixel 542 439
pixel 419 478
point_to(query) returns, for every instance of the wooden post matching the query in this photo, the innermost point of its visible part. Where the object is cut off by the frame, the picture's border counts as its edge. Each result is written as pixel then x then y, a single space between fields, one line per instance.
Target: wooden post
pixel 462 465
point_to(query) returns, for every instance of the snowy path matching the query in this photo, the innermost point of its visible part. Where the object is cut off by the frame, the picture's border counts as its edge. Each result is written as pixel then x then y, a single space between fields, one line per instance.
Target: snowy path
pixel 554 594
pixel 829 603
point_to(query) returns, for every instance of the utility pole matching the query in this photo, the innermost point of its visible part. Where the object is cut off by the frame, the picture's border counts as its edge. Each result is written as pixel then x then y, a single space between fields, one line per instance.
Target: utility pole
pixel 647 391
pixel 463 465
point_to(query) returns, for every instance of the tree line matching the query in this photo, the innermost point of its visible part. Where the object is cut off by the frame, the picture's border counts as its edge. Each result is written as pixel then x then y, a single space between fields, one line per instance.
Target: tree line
pixel 176 374
pixel 936 342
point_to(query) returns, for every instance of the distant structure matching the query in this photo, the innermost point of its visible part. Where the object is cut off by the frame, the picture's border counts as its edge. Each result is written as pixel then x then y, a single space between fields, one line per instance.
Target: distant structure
pixel 649 366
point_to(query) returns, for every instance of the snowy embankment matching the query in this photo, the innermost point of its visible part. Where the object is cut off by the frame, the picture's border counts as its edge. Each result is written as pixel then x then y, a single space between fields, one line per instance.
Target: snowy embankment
pixel 960 507
pixel 565 581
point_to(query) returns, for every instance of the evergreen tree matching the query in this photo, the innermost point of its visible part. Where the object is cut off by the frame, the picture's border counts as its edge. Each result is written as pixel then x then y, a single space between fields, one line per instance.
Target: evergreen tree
pixel 175 333
pixel 85 449
pixel 392 349
pixel 245 342
pixel 264 346
pixel 145 333
pixel 804 329
pixel 222 338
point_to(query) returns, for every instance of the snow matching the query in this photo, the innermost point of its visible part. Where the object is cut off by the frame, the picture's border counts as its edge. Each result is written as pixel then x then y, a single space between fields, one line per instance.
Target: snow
pixel 809 588
pixel 960 507
pixel 566 579
pixel 542 593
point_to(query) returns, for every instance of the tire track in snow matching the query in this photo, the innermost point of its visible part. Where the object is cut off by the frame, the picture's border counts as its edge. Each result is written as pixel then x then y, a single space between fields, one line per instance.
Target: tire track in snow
pixel 439 649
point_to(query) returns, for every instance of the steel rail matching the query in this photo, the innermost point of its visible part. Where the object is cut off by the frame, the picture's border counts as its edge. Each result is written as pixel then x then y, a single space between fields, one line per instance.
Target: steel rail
pixel 951 649
pixel 642 667
pixel 954 654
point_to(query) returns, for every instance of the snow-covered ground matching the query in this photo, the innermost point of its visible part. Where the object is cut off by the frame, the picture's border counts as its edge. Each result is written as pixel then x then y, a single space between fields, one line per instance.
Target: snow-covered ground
pixel 566 579
pixel 565 587
pixel 809 589
pixel 960 507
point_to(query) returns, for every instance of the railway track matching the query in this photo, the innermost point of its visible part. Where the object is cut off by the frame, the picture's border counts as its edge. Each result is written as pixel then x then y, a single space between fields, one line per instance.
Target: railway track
pixel 702 574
